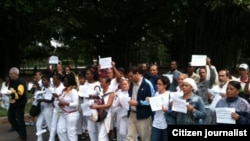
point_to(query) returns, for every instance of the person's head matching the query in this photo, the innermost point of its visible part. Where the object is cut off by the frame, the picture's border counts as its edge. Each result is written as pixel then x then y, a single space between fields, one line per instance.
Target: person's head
pixel 124 84
pixel 91 74
pixel 233 89
pixel 81 78
pixel 188 86
pixel 57 79
pixel 162 83
pixel 59 67
pixel 223 77
pixel 38 75
pixel 243 69
pixel 208 61
pixel 134 74
pixel 69 80
pixel 105 82
pixel 202 73
pixel 190 68
pixel 121 70
pixel 181 77
pixel 110 73
pixel 46 80
pixel 68 69
pixel 153 70
pixel 144 67
pixel 14 73
pixel 173 65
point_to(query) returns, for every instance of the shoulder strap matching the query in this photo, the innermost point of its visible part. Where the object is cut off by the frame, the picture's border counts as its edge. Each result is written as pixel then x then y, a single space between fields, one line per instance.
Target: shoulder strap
pixel 106 94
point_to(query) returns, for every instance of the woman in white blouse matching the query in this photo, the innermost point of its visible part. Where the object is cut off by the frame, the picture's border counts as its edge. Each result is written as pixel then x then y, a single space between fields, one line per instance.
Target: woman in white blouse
pixel 46 101
pixel 68 102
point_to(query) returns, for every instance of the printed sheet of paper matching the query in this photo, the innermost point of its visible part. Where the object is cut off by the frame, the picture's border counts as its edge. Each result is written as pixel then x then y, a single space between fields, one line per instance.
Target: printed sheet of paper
pixel 175 95
pixel 39 94
pixel 179 105
pixel 48 94
pixel 156 103
pixel 198 60
pixel 105 62
pixel 223 115
pixel 53 60
pixel 124 101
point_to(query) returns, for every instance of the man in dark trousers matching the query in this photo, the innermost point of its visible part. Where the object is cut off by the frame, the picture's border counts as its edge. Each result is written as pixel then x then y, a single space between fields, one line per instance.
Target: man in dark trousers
pixel 18 100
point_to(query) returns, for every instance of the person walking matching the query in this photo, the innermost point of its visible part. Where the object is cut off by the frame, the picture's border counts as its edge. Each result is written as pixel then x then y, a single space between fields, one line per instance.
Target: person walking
pixel 139 122
pixel 18 100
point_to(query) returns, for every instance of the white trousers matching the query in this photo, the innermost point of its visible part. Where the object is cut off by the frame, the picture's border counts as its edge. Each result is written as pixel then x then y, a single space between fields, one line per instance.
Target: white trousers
pixel 44 117
pixel 54 122
pixel 103 135
pixel 93 130
pixel 122 128
pixel 67 126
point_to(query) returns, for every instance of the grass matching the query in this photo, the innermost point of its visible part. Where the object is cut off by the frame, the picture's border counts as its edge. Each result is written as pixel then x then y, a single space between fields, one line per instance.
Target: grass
pixel 3 112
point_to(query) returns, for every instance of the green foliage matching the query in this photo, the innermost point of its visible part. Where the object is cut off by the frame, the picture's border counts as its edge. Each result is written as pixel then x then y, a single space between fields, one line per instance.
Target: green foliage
pixel 172 29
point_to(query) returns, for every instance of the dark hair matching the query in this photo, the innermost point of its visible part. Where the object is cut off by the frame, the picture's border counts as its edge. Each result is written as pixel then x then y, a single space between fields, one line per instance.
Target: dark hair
pixel 71 79
pixel 165 80
pixel 135 69
pixel 93 71
pixel 107 79
pixel 58 76
pixel 203 67
pixel 235 84
pixel 47 77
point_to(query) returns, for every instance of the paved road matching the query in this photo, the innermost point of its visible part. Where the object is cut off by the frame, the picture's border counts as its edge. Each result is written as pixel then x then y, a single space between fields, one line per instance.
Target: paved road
pixel 13 136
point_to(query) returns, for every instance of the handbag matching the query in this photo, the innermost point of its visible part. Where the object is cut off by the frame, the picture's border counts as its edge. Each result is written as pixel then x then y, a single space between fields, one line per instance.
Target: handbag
pixel 102 113
pixel 35 109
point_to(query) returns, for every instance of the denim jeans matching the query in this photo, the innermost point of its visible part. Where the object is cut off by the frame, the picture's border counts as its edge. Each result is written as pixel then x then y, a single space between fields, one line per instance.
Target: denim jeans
pixel 159 134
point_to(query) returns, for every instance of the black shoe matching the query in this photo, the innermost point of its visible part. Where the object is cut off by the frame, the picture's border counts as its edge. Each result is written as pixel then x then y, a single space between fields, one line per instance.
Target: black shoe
pixel 11 130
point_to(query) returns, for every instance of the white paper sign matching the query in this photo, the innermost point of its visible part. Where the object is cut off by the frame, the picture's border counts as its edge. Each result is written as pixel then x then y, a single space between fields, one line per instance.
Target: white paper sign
pixel 156 103
pixel 53 60
pixel 223 115
pixel 198 60
pixel 39 94
pixel 179 105
pixel 105 62
pixel 124 101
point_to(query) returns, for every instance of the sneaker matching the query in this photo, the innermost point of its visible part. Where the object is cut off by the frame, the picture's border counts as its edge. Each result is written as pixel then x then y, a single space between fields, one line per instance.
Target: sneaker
pixel 29 123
